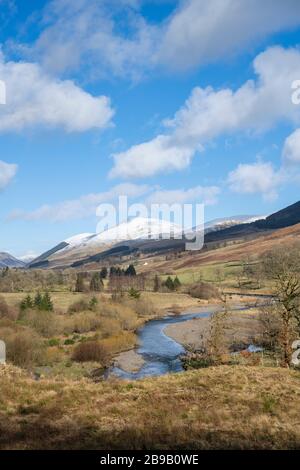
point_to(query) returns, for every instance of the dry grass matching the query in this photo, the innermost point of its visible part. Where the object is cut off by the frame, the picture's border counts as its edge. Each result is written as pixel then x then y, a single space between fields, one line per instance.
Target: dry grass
pixel 221 407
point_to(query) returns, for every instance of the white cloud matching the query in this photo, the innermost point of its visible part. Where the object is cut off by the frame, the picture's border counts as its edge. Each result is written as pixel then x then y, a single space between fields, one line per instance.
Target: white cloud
pixel 107 36
pixel 89 32
pixel 207 195
pixel 85 206
pixel 291 149
pixel 261 177
pixel 208 113
pixel 160 154
pixel 202 31
pixel 7 173
pixel 34 98
pixel 80 208
pixel 254 178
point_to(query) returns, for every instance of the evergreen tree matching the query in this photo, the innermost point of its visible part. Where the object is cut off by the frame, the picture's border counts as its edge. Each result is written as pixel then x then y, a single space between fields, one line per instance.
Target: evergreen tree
pixel 46 303
pixel 176 283
pixel 26 303
pixel 169 283
pixel 112 271
pixel 38 300
pixel 103 273
pixel 133 293
pixel 130 271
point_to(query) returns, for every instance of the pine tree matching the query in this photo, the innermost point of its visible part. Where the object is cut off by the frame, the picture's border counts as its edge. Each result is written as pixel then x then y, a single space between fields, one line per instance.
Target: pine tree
pixel 103 273
pixel 169 283
pixel 26 303
pixel 133 293
pixel 46 303
pixel 176 283
pixel 112 271
pixel 130 271
pixel 38 300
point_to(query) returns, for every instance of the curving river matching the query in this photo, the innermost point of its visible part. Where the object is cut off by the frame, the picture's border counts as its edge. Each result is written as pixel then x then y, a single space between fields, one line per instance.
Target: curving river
pixel 160 352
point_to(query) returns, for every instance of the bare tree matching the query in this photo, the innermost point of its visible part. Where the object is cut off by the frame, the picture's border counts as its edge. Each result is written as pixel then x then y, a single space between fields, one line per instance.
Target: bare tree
pixel 282 268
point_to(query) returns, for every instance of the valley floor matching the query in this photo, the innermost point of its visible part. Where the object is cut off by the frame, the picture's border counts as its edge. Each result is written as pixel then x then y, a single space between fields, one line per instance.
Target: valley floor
pixel 225 407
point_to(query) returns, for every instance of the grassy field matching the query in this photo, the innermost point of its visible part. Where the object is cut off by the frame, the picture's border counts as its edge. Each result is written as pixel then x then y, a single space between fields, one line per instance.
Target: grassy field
pixel 46 342
pixel 159 300
pixel 217 408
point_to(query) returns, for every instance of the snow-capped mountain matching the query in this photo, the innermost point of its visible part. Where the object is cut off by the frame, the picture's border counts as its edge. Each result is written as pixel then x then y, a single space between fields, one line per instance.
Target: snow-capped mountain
pixel 143 235
pixel 84 245
pixel 7 260
pixel 28 257
pixel 225 222
pixel 139 228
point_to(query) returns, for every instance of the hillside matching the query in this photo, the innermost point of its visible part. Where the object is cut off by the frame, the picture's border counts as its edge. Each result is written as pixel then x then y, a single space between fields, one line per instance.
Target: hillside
pixel 234 251
pixel 7 260
pixel 130 239
pixel 226 407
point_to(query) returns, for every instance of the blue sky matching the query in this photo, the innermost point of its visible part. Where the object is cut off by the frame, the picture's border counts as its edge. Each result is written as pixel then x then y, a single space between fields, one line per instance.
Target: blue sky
pixel 176 101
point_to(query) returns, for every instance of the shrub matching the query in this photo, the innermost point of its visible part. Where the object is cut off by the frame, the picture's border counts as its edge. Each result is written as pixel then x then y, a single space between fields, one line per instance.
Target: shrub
pixel 133 293
pixel 84 322
pixel 53 342
pixel 43 322
pixel 6 311
pixel 205 291
pixel 78 306
pixel 143 307
pixel 24 348
pixel 93 303
pixel 91 351
pixel 109 327
pixel 69 341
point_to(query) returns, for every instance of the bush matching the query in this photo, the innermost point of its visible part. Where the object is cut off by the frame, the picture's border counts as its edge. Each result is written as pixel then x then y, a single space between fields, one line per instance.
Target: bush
pixel 53 342
pixel 109 327
pixel 85 322
pixel 43 322
pixel 6 311
pixel 78 306
pixel 205 291
pixel 69 341
pixel 91 351
pixel 24 348
pixel 133 293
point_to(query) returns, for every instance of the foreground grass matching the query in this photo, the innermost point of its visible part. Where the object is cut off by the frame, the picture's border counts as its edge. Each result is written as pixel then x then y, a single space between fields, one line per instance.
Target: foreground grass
pixel 221 407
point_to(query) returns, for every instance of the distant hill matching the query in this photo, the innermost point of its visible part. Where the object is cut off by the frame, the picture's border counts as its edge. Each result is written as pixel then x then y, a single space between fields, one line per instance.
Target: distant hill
pixel 121 240
pixel 93 248
pixel 7 260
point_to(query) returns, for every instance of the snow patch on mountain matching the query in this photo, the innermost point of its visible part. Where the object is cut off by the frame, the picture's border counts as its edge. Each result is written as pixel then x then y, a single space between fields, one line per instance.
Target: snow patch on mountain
pixel 79 239
pixel 138 228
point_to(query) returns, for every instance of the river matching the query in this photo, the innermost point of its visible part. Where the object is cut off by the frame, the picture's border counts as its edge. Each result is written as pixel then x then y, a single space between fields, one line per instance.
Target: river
pixel 160 352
